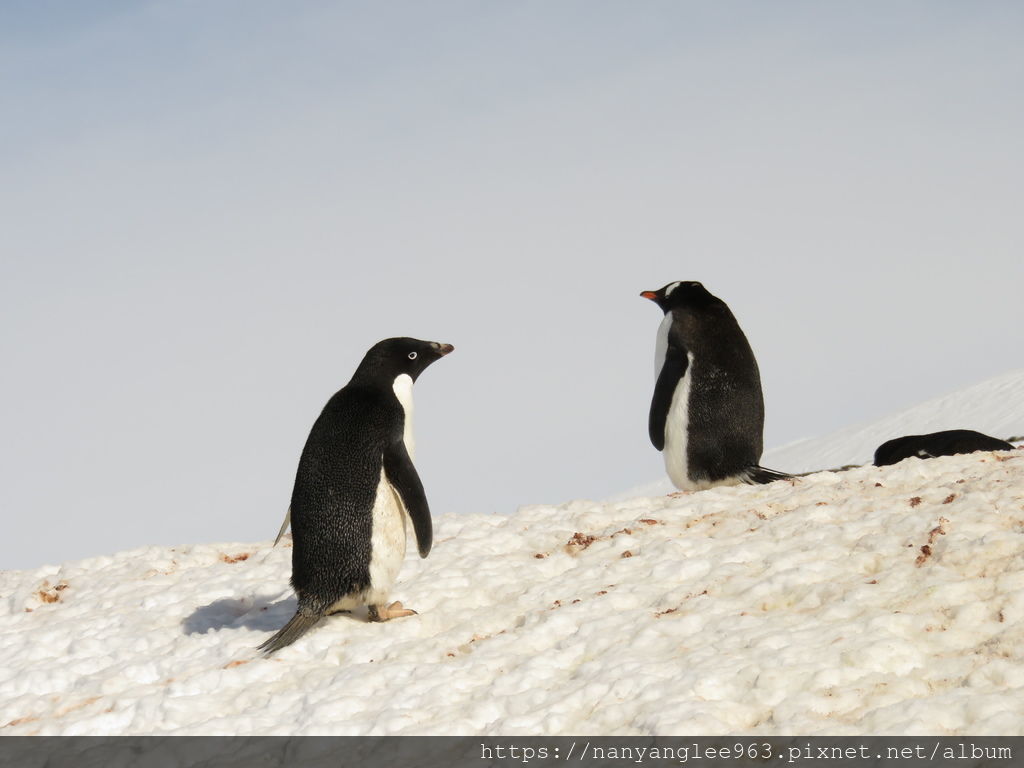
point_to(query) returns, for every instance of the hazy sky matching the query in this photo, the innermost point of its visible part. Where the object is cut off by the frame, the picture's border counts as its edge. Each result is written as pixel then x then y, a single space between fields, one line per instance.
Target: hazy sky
pixel 211 210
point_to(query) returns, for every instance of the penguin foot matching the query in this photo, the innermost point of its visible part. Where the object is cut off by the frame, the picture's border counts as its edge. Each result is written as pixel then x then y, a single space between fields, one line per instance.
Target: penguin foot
pixel 394 611
pixel 679 494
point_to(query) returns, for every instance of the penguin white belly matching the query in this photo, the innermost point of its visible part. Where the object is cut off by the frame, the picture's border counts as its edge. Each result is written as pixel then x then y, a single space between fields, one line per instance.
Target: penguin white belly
pixel 387 542
pixel 387 549
pixel 676 427
pixel 677 433
pixel 388 539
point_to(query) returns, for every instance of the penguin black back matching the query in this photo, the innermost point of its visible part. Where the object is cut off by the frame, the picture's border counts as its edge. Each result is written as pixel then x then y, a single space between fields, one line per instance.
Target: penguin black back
pixel 335 484
pixel 947 443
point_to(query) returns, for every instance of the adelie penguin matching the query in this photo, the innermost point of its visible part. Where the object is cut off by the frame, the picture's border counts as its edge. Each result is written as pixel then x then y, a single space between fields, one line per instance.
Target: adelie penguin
pixel 354 488
pixel 707 413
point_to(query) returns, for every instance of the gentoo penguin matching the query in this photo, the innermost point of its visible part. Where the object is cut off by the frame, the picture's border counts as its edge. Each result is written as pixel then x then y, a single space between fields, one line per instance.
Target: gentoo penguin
pixel 354 486
pixel 707 413
pixel 948 443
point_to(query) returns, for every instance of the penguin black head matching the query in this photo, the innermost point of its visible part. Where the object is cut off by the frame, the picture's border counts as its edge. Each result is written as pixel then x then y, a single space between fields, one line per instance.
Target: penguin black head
pixel 388 359
pixel 682 293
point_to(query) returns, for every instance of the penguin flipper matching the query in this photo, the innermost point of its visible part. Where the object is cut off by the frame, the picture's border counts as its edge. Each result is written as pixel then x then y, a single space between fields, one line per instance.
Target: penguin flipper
pixel 296 627
pixel 284 525
pixel 758 475
pixel 672 371
pixel 405 480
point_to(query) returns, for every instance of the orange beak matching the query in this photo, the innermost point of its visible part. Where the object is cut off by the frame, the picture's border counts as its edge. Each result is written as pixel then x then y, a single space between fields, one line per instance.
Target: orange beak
pixel 652 295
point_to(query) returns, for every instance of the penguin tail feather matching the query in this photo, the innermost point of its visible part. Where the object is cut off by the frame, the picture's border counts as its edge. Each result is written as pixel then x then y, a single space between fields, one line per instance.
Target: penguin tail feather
pixel 760 475
pixel 296 627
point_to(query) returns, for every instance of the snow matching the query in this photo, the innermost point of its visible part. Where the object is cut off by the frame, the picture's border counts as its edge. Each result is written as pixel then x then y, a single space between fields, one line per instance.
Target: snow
pixel 872 601
pixel 995 407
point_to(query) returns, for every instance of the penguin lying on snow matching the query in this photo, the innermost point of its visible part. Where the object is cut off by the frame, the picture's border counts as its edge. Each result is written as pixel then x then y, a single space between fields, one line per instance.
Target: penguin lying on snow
pixel 707 413
pixel 354 486
pixel 947 443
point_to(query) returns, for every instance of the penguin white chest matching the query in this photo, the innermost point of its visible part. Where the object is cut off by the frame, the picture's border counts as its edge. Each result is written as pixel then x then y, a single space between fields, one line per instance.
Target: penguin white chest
pixel 676 431
pixel 402 387
pixel 661 344
pixel 388 539
pixel 387 542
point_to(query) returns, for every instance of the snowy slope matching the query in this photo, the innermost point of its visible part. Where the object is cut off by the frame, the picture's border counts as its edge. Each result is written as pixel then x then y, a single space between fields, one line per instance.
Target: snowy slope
pixel 872 601
pixel 995 407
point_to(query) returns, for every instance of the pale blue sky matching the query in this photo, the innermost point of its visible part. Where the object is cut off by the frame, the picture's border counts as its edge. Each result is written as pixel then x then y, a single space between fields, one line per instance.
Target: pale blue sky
pixel 211 210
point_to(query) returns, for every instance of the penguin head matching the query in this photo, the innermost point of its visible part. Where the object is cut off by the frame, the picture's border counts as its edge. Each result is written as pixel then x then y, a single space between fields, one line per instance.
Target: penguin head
pixel 682 293
pixel 388 359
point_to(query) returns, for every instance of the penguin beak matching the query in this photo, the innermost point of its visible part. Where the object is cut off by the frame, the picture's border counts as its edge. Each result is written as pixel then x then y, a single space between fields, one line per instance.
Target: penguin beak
pixel 652 295
pixel 442 349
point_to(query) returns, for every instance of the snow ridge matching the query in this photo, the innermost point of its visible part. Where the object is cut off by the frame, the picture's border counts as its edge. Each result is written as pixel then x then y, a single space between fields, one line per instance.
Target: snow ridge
pixel 879 600
pixel 995 407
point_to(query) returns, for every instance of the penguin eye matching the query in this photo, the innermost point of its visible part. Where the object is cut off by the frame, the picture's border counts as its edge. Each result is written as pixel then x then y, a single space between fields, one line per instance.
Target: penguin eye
pixel 412 355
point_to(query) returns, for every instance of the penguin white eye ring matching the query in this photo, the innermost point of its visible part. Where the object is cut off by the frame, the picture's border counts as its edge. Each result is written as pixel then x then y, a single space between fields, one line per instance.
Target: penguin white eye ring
pixel 412 355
